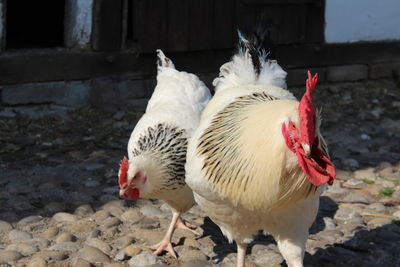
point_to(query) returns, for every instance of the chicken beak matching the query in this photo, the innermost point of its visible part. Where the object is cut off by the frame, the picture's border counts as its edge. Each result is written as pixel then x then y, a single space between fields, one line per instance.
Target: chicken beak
pixel 122 192
pixel 307 149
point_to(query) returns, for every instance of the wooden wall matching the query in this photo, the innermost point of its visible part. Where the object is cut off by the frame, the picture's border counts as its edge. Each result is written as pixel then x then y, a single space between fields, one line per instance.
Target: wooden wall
pixel 197 25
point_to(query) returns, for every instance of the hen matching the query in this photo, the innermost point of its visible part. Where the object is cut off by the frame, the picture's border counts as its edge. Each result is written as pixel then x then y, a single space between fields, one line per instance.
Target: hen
pixel 257 160
pixel 157 146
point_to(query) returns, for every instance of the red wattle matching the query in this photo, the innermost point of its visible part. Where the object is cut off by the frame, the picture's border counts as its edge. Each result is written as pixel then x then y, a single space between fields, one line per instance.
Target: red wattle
pixel 133 194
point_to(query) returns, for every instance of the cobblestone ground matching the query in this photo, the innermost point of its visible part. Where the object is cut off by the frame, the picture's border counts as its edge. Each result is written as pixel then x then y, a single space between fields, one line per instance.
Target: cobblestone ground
pixel 59 203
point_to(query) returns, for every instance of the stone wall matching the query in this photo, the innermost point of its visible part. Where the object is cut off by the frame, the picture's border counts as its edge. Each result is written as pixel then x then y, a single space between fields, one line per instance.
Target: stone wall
pixel 111 93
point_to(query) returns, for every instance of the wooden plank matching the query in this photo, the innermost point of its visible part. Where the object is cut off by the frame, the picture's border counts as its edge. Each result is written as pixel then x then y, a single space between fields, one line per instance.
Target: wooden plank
pixel 3 6
pixel 151 24
pixel 107 25
pixel 178 25
pixel 225 24
pixel 201 24
pixel 316 22
pixel 293 28
pixel 278 2
pixel 38 65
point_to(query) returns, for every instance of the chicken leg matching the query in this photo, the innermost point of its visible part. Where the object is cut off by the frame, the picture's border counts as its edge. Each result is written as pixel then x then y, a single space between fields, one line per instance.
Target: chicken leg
pixel 165 243
pixel 241 254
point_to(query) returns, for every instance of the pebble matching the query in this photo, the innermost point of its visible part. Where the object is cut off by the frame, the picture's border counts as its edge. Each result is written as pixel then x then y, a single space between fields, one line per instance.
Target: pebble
pixel 123 242
pixel 355 198
pixel 36 262
pixel 365 174
pixel 151 211
pixel 131 216
pixel 352 163
pixel 111 222
pixel 80 263
pixel 83 210
pixel 189 253
pixel 28 220
pixel 64 217
pixel 65 237
pixel 50 232
pixel 100 216
pixel 354 184
pixel 23 249
pixel 66 246
pixel 378 222
pixel 5 227
pixel 145 260
pixel 329 223
pixel 94 166
pixel 133 250
pixel 100 244
pixel 9 256
pixel 114 265
pixel 396 215
pixel 18 235
pixel 121 256
pixel 49 255
pixel 93 255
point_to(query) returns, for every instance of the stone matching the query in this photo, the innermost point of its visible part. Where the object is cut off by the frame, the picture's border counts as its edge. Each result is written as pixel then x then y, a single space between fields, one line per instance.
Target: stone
pixel 365 174
pixel 195 263
pixel 145 260
pixel 50 232
pixel 329 223
pixel 151 211
pixel 38 242
pixel 100 216
pixel 74 94
pixel 49 255
pixel 80 263
pixel 64 217
pixel 100 244
pixel 5 227
pixel 396 215
pixel 66 246
pixel 18 236
pixel 344 214
pixel 123 242
pixel 95 233
pixel 114 265
pixel 343 175
pixel 347 73
pixel 354 184
pixel 65 237
pixel 132 216
pixel 111 222
pixel 379 222
pixel 94 166
pixel 132 250
pixel 377 207
pixel 83 210
pixel 355 198
pixel 9 256
pixel 93 255
pixel 121 256
pixel 351 163
pixel 36 262
pixel 23 249
pixel 189 253
pixel 30 219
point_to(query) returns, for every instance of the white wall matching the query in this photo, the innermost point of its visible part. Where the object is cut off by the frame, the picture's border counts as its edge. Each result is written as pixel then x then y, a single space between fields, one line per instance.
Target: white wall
pixel 362 20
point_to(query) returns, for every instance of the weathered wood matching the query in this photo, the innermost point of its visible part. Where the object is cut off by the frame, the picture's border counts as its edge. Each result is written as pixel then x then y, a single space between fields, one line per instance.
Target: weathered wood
pixel 315 16
pixel 107 25
pixel 53 65
pixel 225 24
pixel 278 2
pixel 201 24
pixel 3 5
pixel 178 25
pixel 151 24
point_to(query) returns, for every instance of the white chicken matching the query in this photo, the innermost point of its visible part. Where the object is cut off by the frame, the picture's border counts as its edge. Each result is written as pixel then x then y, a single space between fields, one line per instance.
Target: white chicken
pixel 257 160
pixel 157 146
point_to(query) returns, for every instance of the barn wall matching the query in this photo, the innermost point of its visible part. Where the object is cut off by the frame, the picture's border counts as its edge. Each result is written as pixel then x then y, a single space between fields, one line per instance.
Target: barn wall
pixel 362 20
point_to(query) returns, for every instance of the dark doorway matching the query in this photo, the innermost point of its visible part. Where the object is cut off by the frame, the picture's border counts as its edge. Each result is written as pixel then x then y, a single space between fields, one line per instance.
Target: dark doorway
pixel 34 24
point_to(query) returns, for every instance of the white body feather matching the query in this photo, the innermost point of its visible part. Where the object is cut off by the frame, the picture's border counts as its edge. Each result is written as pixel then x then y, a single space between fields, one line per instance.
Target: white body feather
pixel 177 100
pixel 238 218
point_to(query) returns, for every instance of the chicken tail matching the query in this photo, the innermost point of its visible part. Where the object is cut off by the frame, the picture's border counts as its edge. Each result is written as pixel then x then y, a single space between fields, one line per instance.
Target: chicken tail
pixel 250 65
pixel 163 62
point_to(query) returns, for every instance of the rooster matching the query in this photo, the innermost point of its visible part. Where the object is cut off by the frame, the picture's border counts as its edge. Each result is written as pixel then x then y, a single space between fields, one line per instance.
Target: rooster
pixel 257 160
pixel 157 146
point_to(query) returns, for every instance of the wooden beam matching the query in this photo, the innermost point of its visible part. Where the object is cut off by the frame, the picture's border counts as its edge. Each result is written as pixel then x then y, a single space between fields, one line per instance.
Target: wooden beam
pixel 56 65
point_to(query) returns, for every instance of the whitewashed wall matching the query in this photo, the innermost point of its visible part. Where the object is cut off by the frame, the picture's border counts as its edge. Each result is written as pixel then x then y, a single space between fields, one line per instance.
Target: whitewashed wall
pixel 362 20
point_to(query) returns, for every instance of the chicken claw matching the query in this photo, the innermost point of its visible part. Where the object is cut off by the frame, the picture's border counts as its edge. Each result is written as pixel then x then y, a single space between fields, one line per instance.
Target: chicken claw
pixel 182 224
pixel 163 245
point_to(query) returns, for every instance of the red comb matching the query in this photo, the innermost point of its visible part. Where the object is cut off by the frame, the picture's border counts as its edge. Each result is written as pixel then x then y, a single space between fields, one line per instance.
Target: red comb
pixel 307 111
pixel 123 168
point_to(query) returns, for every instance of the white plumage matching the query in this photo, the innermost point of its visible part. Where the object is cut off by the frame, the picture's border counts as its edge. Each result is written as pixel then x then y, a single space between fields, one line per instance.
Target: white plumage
pixel 242 173
pixel 158 143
